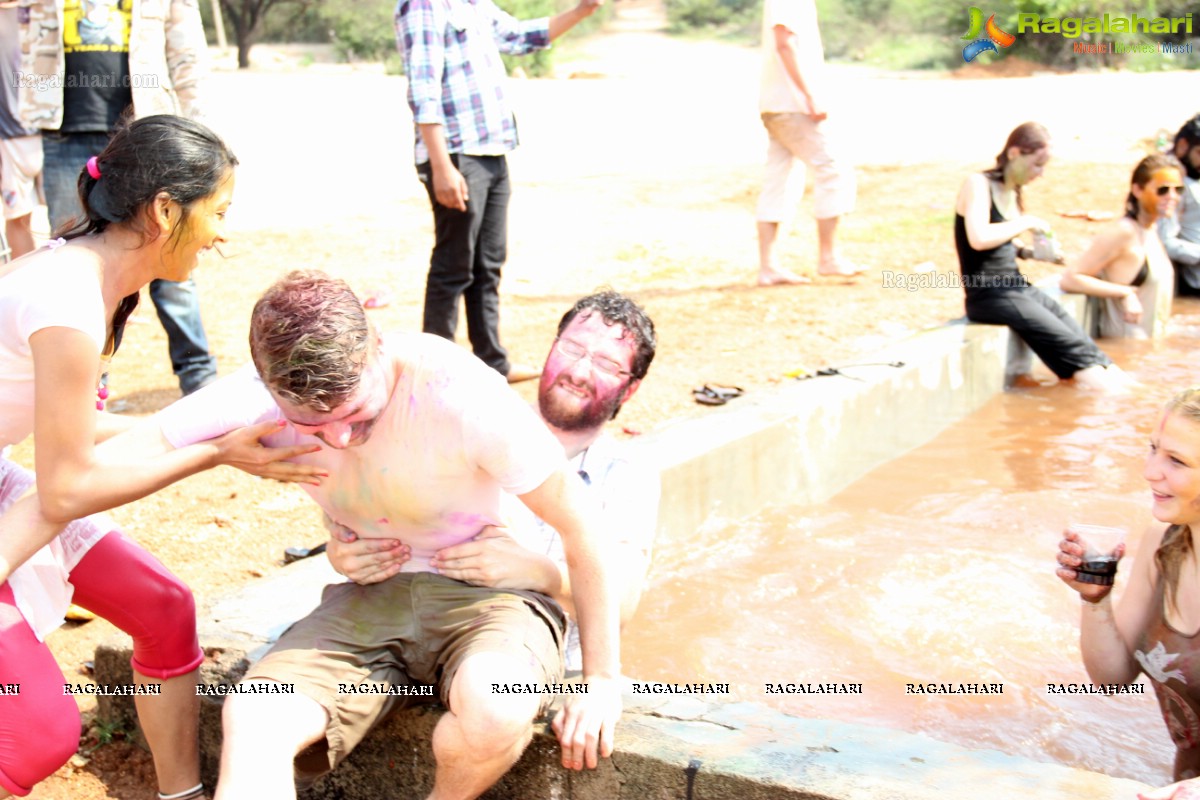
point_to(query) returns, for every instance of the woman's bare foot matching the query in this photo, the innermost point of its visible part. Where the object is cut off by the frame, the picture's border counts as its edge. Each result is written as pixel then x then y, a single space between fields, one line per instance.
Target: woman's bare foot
pixel 781 277
pixel 1105 379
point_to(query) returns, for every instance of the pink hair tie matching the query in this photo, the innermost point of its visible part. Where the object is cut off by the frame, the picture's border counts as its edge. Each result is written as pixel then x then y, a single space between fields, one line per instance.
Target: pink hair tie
pixel 93 168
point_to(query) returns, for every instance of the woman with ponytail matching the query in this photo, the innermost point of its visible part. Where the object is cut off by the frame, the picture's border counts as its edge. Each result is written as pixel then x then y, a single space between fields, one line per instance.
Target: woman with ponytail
pixel 154 200
pixel 1154 627
pixel 1126 265
pixel 989 216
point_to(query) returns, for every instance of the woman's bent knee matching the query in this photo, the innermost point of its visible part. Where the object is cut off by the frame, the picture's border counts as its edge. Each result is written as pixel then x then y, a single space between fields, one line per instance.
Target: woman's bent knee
pixel 37 742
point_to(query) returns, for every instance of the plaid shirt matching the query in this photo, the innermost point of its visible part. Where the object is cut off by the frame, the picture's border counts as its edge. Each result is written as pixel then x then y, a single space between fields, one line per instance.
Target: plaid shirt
pixel 451 51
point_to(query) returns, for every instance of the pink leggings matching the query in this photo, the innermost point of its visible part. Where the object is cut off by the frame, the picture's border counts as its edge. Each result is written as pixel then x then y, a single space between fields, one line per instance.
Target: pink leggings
pixel 39 727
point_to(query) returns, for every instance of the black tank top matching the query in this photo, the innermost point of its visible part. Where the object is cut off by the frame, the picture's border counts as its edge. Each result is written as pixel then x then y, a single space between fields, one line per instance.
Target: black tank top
pixel 986 269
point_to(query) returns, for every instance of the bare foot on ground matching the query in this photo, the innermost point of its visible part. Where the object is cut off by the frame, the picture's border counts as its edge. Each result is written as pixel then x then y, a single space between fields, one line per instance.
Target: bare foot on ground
pixel 840 268
pixel 781 277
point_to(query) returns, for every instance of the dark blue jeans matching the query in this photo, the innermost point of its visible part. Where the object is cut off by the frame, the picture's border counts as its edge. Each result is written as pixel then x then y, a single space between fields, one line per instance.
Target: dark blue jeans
pixel 469 249
pixel 177 304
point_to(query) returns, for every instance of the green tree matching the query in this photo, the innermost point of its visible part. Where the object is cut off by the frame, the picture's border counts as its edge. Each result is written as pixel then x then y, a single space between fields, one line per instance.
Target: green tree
pixel 360 30
pixel 247 17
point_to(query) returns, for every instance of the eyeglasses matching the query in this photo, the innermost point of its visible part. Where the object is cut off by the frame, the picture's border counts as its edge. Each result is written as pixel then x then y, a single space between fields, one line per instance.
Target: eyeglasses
pixel 576 351
pixel 1162 190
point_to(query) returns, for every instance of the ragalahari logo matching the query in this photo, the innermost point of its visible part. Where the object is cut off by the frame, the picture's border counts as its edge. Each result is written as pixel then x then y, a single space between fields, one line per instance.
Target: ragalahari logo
pixel 994 36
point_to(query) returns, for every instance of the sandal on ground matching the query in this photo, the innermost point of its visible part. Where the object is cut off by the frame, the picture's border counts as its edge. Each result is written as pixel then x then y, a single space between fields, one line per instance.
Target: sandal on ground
pixel 712 394
pixel 78 614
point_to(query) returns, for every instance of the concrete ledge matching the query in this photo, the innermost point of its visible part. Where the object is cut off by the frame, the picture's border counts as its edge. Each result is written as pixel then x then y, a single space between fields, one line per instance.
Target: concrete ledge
pixel 672 748
pixel 809 439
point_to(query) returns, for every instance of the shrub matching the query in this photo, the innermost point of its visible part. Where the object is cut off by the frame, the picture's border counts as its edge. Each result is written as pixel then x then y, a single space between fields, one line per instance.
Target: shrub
pixel 360 30
pixel 738 15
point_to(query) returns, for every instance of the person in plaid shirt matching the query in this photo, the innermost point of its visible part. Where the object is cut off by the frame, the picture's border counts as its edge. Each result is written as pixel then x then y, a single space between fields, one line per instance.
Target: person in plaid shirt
pixel 464 127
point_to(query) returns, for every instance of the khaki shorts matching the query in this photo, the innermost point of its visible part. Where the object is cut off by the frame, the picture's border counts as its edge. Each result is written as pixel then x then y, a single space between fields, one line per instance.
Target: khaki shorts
pixel 20 168
pixel 797 143
pixel 415 628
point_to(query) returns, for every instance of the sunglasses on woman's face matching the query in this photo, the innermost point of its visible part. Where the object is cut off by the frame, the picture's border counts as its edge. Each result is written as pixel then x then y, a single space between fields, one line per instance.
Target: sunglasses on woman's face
pixel 1162 190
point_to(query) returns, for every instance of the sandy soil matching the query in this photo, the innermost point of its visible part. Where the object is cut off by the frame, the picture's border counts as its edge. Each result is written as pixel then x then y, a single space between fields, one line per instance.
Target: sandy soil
pixel 640 174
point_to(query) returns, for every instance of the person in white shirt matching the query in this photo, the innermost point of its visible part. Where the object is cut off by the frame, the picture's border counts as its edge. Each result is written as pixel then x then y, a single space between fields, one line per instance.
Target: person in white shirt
pixel 576 398
pixel 419 440
pixel 792 102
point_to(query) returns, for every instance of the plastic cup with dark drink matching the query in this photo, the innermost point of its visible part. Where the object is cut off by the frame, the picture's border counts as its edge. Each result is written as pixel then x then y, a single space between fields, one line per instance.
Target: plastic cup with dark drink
pixel 1099 561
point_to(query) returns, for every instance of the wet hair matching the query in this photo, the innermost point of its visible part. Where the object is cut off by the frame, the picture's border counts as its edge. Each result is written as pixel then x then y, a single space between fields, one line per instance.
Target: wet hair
pixel 155 154
pixel 309 339
pixel 159 154
pixel 1028 137
pixel 1142 174
pixel 617 309
pixel 1177 542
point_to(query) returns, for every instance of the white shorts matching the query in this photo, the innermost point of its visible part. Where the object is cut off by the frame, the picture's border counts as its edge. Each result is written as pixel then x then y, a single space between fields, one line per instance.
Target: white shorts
pixel 20 174
pixel 42 585
pixel 796 138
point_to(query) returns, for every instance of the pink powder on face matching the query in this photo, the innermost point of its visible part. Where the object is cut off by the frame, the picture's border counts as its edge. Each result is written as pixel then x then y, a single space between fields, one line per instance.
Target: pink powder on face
pixel 383 520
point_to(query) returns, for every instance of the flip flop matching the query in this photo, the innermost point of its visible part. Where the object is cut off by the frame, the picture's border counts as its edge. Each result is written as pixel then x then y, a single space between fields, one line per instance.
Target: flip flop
pixel 728 392
pixel 712 394
pixel 297 553
pixel 79 614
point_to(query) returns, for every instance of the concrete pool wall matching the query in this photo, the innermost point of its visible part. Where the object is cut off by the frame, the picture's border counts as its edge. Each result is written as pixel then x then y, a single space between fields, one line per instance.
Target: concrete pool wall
pixel 801 443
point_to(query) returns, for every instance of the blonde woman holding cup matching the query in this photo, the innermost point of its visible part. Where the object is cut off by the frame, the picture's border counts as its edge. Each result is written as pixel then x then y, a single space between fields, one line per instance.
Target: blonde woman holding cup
pixel 1153 629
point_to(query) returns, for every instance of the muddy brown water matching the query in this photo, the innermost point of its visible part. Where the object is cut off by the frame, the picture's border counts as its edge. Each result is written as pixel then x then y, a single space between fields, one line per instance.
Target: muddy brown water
pixel 937 567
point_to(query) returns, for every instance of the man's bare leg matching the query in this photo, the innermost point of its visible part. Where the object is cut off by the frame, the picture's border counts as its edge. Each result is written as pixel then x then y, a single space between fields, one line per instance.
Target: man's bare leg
pixel 263 734
pixel 483 734
pixel 171 723
pixel 829 263
pixel 827 241
pixel 769 272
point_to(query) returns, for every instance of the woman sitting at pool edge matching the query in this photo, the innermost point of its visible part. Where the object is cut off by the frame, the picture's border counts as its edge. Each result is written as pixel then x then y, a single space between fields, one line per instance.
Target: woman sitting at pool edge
pixel 989 216
pixel 1126 265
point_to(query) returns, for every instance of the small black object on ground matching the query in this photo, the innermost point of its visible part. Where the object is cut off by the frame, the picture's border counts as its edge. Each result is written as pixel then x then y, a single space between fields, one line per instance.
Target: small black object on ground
pixel 298 553
pixel 712 394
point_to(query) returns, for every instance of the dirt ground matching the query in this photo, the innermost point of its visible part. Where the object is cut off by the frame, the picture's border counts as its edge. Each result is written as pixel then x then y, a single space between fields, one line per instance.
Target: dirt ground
pixel 637 178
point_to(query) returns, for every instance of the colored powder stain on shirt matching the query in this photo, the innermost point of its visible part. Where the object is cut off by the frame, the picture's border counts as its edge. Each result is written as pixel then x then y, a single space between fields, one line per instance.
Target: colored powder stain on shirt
pixel 465 520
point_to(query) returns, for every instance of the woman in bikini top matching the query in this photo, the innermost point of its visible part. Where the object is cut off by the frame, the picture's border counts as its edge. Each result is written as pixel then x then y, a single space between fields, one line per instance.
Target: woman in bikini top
pixel 1126 265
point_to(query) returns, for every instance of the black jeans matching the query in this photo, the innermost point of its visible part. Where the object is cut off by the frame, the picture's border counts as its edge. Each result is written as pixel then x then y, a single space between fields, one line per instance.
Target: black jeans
pixel 469 249
pixel 1034 316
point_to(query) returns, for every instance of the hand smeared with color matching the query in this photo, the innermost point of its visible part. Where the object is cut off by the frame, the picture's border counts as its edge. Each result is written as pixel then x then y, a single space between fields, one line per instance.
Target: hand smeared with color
pixel 994 36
